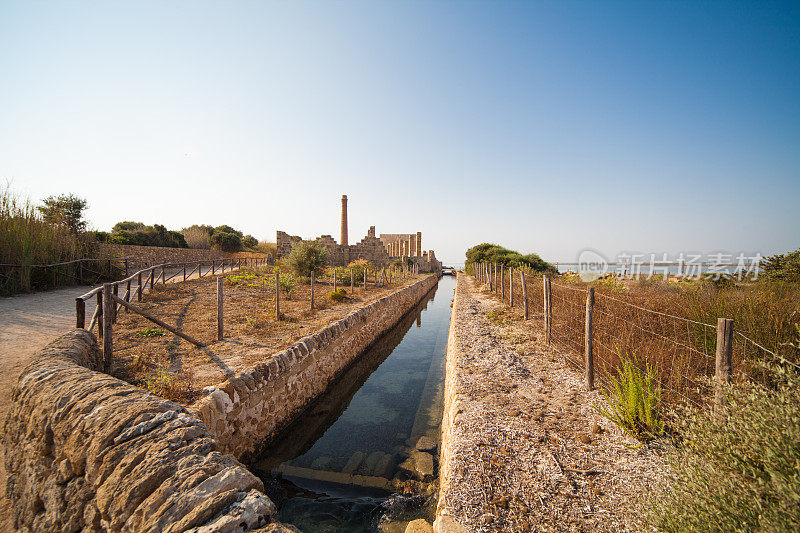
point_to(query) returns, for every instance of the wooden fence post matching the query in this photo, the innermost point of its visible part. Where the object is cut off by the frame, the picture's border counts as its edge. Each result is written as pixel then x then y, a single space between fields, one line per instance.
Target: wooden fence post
pixel 152 277
pixel 163 274
pixel 548 322
pixel 277 296
pixel 213 267
pixel 108 320
pixel 312 290
pixel 184 272
pixel 365 278
pixel 334 279
pixel 511 287
pixel 524 292
pixel 115 292
pixel 587 350
pixel 128 294
pixel 724 360
pixel 100 314
pixel 220 300
pixel 352 281
pixel 80 313
pixel 502 283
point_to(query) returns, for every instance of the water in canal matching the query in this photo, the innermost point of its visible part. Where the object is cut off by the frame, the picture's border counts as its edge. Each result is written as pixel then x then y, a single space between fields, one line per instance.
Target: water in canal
pixel 329 470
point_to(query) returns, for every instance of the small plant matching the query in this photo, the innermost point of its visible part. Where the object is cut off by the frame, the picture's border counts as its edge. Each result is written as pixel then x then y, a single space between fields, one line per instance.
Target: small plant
pixel 338 295
pixel 634 401
pixel 151 332
pixel 737 469
pixel 287 284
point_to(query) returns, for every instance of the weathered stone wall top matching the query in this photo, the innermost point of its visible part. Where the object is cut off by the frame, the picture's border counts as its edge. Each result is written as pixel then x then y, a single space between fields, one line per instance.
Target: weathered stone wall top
pixel 140 257
pixel 86 451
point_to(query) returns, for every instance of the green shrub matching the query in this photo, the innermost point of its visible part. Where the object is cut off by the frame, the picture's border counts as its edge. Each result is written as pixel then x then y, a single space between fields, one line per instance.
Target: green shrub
pixel 225 241
pixel 784 267
pixel 306 257
pixel 494 253
pixel 338 295
pixel 738 469
pixel 286 284
pixel 128 232
pixel 151 332
pixel 634 401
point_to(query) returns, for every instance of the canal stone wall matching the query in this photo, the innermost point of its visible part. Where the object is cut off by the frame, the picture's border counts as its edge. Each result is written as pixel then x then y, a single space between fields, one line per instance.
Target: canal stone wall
pixel 249 409
pixel 86 451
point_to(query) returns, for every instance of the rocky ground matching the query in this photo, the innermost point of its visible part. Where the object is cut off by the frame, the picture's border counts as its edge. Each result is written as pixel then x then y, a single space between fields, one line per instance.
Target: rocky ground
pixel 529 451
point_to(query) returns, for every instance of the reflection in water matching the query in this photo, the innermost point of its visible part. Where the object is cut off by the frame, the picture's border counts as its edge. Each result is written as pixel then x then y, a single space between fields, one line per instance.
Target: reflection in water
pixel 363 425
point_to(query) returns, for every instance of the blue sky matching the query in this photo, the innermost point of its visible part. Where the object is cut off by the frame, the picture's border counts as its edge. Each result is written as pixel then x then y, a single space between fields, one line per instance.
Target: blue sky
pixel 544 126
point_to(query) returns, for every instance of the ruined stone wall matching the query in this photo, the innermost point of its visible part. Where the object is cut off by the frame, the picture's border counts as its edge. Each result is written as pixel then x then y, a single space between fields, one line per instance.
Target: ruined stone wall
pixel 249 409
pixel 370 248
pixel 140 257
pixel 86 451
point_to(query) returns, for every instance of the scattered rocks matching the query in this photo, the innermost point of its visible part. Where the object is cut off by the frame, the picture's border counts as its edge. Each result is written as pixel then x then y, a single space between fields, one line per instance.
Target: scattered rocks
pixel 419 526
pixel 426 444
pixel 353 462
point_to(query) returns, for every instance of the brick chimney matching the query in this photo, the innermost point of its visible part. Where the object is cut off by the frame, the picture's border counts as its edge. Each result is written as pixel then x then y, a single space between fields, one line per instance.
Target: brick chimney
pixel 343 242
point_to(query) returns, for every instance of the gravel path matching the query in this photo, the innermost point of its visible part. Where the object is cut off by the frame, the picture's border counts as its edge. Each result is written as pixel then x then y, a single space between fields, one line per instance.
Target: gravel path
pixel 528 452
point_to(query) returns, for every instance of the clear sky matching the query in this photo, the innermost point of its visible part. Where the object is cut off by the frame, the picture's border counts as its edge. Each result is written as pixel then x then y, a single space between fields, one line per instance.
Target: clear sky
pixel 543 126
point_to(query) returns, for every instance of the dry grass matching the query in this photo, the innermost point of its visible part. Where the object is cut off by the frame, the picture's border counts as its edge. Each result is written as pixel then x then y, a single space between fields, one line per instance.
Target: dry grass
pixel 668 325
pixel 176 369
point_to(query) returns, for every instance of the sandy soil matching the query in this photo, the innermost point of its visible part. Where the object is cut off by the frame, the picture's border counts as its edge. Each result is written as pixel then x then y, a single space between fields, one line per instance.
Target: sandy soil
pixel 529 451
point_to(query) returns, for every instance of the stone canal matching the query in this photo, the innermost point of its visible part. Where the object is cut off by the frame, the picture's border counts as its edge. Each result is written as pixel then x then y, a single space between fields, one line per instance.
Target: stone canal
pixel 363 456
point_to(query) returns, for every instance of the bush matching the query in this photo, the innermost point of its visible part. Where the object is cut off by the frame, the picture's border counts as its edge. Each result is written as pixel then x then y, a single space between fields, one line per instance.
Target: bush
pixel 248 241
pixel 737 470
pixel 493 253
pixel 198 237
pixel 634 401
pixel 338 295
pixel 784 267
pixel 128 232
pixel 306 257
pixel 225 241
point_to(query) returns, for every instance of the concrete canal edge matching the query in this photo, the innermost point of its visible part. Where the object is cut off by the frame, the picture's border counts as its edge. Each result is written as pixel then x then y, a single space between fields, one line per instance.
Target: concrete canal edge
pixel 249 409
pixel 86 451
pixel 445 523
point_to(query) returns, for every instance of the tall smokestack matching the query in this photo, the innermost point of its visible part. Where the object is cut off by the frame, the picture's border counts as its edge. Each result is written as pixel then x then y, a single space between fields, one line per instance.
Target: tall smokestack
pixel 343 242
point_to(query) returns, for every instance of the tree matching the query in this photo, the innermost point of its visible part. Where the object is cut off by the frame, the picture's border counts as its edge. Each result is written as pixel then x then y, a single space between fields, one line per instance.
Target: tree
pixel 306 258
pixel 225 241
pixel 494 253
pixel 248 241
pixel 784 267
pixel 64 210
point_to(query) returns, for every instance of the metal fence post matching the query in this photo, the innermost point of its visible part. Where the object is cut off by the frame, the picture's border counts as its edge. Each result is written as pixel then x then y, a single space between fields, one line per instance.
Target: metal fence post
pixel 588 355
pixel 724 359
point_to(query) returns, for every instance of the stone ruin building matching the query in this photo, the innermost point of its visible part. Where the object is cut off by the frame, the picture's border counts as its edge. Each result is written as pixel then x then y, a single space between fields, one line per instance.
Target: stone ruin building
pixel 381 251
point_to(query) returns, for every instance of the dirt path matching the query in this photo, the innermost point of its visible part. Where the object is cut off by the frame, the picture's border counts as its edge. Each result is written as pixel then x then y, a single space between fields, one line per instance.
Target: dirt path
pixel 528 451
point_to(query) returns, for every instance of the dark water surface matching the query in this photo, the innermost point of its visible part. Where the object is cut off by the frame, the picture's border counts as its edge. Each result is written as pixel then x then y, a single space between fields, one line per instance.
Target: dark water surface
pixel 363 425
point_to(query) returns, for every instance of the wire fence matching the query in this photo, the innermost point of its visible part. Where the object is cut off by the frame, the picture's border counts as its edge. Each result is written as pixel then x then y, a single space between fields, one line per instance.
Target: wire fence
pixel 15 278
pixel 682 355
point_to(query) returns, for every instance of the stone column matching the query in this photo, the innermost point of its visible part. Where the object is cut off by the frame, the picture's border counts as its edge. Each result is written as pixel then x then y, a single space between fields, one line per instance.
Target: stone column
pixel 419 244
pixel 343 240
